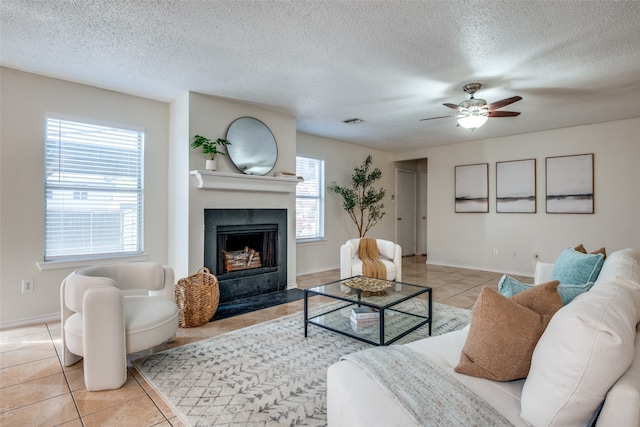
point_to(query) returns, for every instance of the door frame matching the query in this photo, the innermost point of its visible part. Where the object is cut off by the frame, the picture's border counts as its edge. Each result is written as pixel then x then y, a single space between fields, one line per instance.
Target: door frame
pixel 415 213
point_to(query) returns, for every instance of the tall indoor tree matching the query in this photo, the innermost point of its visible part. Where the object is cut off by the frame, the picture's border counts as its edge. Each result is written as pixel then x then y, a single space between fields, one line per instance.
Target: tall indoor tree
pixel 361 200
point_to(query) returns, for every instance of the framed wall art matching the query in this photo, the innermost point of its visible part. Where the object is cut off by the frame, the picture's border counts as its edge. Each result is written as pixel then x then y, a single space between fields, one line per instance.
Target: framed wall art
pixel 472 188
pixel 570 184
pixel 516 186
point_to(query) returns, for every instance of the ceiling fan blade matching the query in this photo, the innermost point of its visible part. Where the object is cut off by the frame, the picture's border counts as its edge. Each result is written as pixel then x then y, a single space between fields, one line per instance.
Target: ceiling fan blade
pixel 504 102
pixel 433 118
pixel 503 113
pixel 452 106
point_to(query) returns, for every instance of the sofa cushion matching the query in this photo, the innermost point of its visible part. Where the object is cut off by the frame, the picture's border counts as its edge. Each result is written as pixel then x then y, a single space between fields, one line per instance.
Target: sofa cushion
pixel 575 268
pixel 149 320
pixel 504 332
pixel 622 405
pixel 508 286
pixel 587 346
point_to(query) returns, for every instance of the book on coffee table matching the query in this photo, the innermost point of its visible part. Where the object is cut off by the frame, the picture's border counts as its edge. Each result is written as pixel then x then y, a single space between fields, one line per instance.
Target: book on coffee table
pixel 364 324
pixel 366 321
pixel 364 313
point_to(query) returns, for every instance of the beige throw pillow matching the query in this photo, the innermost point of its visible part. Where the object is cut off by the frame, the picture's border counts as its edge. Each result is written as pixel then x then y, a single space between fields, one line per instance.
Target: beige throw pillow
pixel 580 248
pixel 504 332
pixel 543 299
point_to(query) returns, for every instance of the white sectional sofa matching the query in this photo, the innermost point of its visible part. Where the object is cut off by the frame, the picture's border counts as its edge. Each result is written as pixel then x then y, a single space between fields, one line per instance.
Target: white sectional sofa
pixel 598 355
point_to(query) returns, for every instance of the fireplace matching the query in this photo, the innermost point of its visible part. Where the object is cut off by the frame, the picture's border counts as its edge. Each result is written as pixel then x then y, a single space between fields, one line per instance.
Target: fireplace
pixel 247 251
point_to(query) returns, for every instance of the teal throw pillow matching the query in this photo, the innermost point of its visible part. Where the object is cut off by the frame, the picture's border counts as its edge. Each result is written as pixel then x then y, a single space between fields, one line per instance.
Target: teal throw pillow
pixel 575 268
pixel 508 287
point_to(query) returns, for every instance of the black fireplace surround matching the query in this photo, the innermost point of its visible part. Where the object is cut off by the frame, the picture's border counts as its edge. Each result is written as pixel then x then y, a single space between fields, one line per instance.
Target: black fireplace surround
pixel 231 230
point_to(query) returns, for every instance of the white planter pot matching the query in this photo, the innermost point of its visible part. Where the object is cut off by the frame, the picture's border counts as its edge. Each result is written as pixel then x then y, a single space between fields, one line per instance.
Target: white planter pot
pixel 212 165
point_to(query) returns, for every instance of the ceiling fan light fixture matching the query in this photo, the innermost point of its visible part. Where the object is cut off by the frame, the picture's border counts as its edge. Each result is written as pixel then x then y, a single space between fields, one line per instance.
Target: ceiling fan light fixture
pixel 473 113
pixel 474 119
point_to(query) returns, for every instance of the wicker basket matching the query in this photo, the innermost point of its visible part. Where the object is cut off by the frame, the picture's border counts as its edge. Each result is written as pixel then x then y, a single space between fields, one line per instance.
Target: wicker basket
pixel 197 297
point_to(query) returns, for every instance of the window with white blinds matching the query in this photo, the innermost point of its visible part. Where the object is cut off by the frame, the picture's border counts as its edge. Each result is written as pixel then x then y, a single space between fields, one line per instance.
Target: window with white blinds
pixel 310 199
pixel 93 190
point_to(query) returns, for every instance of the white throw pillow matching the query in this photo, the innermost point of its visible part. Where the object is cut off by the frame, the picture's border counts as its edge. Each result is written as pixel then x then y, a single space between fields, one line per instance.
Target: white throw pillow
pixel 587 346
pixel 623 263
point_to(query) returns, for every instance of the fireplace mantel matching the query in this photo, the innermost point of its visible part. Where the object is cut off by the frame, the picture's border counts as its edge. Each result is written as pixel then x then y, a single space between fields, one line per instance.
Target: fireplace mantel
pixel 239 182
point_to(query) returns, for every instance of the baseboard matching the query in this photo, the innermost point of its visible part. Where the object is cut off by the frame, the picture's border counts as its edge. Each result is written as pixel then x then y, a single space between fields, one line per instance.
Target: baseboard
pixel 55 317
pixel 321 270
pixel 475 267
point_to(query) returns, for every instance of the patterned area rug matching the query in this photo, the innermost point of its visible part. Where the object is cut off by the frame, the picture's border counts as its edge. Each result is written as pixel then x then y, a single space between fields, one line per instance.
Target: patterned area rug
pixel 264 375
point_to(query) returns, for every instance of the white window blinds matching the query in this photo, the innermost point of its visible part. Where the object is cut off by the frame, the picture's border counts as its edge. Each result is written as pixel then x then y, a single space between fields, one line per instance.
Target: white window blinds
pixel 310 199
pixel 93 190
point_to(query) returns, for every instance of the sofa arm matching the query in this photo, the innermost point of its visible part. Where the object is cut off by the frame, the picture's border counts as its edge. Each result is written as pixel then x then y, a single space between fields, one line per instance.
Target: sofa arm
pixel 346 254
pixel 542 273
pixel 397 260
pixel 104 342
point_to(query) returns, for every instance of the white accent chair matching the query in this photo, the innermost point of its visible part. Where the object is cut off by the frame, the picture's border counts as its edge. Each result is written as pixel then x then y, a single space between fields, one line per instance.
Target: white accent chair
pixel 390 255
pixel 110 311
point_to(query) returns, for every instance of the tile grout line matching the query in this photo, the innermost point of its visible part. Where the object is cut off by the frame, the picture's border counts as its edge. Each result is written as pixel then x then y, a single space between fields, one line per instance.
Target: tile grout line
pixel 64 373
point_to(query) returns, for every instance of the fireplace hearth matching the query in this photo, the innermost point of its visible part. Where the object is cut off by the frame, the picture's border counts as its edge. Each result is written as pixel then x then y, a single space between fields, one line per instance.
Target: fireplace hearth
pixel 247 251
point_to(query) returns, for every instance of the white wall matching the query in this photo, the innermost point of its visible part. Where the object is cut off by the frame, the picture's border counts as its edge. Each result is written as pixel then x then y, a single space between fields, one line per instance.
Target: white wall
pixel 211 116
pixel 25 99
pixel 340 160
pixel 468 239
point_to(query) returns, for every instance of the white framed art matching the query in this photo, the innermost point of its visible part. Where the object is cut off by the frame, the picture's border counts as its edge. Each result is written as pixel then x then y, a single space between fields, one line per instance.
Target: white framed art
pixel 570 184
pixel 516 186
pixel 472 188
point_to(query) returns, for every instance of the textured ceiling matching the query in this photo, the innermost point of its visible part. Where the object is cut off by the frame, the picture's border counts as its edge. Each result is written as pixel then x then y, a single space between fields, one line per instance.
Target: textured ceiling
pixel 389 63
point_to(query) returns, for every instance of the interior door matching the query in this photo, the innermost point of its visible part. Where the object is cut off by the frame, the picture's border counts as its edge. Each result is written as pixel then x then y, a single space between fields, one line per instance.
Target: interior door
pixel 422 213
pixel 406 210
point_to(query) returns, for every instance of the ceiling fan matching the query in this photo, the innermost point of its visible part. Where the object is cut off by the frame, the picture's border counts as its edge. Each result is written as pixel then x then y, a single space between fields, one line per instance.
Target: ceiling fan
pixel 474 112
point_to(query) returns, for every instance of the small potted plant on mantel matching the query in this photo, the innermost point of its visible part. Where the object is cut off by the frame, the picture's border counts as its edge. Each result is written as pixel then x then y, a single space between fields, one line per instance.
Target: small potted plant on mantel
pixel 210 148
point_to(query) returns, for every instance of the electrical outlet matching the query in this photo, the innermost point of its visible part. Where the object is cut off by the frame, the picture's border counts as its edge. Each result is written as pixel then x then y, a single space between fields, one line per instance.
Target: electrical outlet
pixel 27 286
pixel 536 256
pixel 495 251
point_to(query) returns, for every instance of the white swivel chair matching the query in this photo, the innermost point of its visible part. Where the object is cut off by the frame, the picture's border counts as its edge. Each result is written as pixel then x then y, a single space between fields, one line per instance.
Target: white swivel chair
pixel 390 255
pixel 113 310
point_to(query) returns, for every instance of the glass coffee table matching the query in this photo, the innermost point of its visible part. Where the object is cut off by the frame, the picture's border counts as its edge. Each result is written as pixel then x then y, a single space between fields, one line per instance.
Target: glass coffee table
pixel 398 309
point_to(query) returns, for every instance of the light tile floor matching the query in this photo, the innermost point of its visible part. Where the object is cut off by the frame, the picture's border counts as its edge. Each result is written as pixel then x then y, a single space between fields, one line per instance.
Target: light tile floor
pixel 36 390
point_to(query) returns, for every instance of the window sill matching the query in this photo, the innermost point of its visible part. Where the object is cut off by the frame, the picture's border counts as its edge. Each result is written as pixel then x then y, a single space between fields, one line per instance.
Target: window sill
pixel 311 242
pixel 78 263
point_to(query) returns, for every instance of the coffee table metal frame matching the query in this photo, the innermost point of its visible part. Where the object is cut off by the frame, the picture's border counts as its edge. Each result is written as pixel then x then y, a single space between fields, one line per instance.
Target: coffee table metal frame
pixel 356 298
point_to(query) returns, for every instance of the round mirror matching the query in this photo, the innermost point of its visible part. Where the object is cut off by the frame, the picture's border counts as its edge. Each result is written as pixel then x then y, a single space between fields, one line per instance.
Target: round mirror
pixel 253 148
